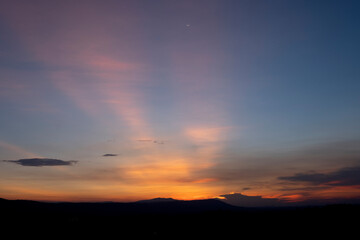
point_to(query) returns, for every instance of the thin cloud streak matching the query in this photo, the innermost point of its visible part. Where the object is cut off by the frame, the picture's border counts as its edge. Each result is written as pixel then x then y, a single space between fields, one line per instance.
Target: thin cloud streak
pixel 17 149
pixel 349 176
pixel 110 155
pixel 41 162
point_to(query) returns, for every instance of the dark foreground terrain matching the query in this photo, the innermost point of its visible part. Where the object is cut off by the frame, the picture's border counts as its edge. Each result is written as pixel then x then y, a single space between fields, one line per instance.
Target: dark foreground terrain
pixel 174 219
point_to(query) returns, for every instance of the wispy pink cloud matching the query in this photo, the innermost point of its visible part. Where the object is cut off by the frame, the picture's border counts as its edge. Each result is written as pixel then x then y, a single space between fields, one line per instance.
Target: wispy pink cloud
pixel 18 150
pixel 86 46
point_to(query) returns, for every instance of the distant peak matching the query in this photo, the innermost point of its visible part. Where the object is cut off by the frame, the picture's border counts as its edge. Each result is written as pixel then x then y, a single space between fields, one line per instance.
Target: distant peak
pixel 156 200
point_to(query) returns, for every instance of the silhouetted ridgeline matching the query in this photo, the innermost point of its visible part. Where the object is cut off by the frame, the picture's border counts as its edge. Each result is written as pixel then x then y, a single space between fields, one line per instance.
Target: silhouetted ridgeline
pixel 170 219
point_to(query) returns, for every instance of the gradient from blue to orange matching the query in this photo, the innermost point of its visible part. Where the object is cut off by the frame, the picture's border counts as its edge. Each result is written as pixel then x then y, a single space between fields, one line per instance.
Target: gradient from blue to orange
pixel 189 99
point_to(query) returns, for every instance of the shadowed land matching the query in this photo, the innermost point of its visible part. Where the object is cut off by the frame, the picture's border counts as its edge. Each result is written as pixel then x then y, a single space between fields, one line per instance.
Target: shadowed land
pixel 169 219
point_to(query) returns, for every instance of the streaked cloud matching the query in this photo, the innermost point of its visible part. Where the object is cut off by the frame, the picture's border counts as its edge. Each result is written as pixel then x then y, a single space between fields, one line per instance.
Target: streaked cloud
pixel 110 155
pixel 17 149
pixel 206 134
pixel 40 162
pixel 156 141
pixel 349 176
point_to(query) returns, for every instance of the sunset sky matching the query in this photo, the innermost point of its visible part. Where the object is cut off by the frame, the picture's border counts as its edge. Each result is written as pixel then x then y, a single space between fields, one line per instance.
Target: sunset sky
pixel 105 100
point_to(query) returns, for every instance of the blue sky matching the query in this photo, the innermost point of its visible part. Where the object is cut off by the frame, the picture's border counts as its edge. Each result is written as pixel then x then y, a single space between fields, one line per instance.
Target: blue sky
pixel 193 99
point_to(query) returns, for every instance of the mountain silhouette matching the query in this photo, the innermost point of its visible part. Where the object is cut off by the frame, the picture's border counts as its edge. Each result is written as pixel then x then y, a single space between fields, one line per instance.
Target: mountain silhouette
pixel 155 200
pixel 167 218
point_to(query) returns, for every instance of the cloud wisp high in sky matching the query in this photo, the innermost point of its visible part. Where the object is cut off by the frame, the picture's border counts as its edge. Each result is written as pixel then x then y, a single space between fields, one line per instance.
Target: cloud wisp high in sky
pixel 110 155
pixel 40 162
pixel 179 99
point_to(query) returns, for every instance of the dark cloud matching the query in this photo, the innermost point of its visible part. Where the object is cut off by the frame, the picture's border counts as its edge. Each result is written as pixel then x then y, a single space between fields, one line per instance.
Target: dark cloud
pixel 238 199
pixel 40 162
pixel 110 155
pixel 262 169
pixel 242 200
pixel 349 176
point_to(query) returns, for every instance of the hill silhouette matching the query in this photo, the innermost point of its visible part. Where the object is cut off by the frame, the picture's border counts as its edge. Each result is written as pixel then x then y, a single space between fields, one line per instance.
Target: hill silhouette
pixel 173 219
pixel 154 200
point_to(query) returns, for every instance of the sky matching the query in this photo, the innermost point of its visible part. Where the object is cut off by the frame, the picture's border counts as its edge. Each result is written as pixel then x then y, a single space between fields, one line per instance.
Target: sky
pixel 253 102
